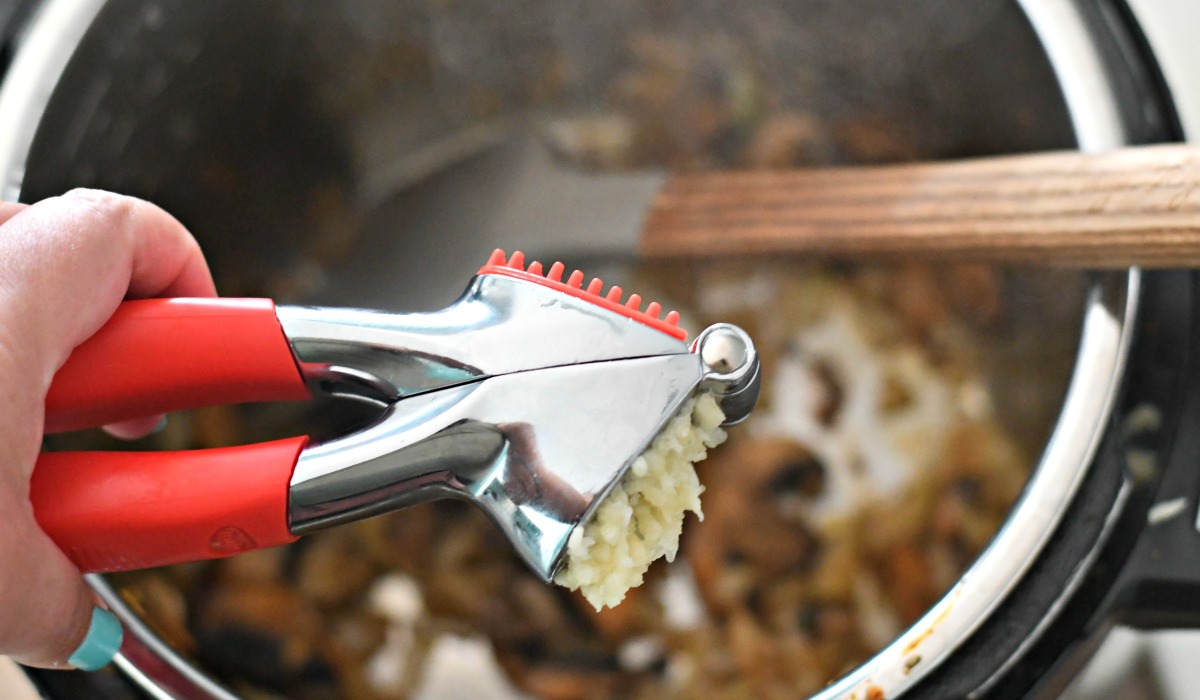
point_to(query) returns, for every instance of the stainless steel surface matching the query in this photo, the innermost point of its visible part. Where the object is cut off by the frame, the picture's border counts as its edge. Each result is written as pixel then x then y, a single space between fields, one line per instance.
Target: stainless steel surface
pixel 1164 660
pixel 722 349
pixel 1104 344
pixel 42 53
pixel 499 326
pixel 735 373
pixel 480 408
pixel 536 450
pixel 158 669
pixel 117 136
pixel 1080 69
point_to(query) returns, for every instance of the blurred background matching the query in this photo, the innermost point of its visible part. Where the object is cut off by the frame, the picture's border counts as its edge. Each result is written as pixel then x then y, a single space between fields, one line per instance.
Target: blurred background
pixel 377 188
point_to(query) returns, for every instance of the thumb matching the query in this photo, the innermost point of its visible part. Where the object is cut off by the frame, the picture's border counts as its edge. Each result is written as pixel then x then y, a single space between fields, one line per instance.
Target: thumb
pixel 51 619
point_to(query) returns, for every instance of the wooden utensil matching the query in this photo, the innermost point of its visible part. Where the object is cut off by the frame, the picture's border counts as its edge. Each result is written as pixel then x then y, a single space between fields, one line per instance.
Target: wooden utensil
pixel 1136 206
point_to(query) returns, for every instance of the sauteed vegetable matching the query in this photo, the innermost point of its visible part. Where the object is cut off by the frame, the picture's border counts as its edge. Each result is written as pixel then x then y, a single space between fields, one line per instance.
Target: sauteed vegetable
pixel 872 474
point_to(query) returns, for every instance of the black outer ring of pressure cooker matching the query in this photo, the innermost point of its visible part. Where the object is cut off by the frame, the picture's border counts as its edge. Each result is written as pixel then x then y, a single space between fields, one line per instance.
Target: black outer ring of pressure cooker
pixel 1102 565
pixel 1046 628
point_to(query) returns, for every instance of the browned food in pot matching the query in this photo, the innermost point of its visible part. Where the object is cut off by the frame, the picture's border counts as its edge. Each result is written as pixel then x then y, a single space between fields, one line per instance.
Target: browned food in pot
pixel 879 463
pixel 806 562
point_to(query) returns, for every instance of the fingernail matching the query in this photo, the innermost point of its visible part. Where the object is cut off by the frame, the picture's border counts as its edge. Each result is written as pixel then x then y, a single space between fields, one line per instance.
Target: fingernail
pixel 160 426
pixel 101 644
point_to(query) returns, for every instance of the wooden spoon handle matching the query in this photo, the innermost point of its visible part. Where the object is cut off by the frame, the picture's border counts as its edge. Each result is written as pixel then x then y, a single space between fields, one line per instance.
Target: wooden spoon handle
pixel 1136 206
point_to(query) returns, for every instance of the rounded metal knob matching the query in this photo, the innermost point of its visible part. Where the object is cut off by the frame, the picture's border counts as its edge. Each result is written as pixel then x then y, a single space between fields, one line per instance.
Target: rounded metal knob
pixel 731 369
pixel 724 350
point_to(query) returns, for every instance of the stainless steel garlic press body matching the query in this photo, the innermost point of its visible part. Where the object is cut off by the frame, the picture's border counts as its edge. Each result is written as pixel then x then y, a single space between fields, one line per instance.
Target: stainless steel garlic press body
pixel 529 396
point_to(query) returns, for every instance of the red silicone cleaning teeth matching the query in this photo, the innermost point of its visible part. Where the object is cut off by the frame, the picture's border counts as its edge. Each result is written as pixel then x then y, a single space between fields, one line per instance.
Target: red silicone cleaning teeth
pixel 515 267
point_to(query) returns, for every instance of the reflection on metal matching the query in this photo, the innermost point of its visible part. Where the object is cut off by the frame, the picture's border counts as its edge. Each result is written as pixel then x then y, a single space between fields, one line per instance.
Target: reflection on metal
pixel 54 31
pixel 499 326
pixel 1103 348
pixel 157 669
pixel 735 374
pixel 536 450
pixel 1163 511
pixel 43 52
pixel 1080 70
pixel 481 409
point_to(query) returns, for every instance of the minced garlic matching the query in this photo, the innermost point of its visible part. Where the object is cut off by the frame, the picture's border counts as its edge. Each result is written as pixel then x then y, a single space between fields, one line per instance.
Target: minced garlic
pixel 641 519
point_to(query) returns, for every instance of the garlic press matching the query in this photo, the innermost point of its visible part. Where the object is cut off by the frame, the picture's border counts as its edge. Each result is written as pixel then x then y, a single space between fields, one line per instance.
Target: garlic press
pixel 529 396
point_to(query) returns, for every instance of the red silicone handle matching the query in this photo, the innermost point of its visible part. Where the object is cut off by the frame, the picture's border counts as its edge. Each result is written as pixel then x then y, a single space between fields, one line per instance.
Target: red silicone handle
pixel 117 511
pixel 160 355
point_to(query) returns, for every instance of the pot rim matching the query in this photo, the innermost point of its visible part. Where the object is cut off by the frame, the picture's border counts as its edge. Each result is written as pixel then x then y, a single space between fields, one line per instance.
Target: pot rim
pixel 45 48
pixel 1110 312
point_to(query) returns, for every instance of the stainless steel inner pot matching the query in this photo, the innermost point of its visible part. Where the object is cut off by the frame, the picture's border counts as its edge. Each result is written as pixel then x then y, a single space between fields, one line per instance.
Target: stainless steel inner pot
pixel 288 132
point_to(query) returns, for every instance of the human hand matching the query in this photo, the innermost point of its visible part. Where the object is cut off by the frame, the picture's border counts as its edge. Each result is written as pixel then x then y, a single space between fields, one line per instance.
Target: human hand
pixel 65 265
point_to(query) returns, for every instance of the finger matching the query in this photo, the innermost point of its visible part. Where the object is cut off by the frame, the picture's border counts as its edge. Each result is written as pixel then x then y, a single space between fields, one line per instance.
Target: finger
pixel 65 265
pixel 10 209
pixel 167 261
pixel 137 427
pixel 50 610
pixel 70 260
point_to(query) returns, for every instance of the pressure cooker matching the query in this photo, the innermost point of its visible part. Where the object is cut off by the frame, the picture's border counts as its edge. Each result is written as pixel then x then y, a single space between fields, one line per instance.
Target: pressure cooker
pixel 256 122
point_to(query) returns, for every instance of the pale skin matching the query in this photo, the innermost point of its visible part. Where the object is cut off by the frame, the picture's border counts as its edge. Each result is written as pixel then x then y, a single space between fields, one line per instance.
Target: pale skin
pixel 65 265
